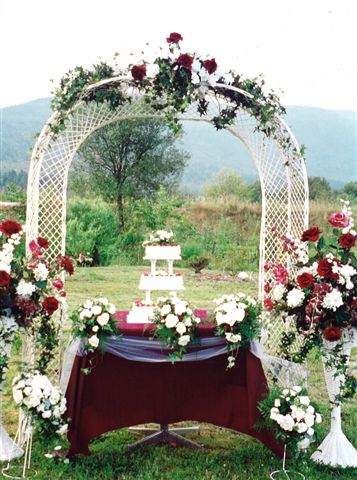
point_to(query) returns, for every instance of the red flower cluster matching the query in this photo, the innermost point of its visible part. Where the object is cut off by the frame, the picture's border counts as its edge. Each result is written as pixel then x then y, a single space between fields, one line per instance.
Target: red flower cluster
pixel 66 262
pixel 305 280
pixel 332 334
pixel 311 235
pixel 4 278
pixel 325 268
pixel 210 65
pixel 174 38
pixel 9 227
pixel 347 240
pixel 50 304
pixel 185 60
pixel 138 72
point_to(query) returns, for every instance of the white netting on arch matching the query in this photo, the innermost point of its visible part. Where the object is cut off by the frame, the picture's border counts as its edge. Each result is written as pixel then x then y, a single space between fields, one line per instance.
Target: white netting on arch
pixel 281 171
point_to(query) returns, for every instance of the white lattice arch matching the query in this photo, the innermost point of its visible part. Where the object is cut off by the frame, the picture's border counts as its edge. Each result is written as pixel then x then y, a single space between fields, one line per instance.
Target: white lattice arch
pixel 281 170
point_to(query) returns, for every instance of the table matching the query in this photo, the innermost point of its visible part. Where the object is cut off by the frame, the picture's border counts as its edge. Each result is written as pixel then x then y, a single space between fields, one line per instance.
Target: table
pixel 119 393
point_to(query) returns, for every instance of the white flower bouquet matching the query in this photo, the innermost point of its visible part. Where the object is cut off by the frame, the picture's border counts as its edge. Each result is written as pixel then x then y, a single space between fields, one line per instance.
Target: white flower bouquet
pixel 290 413
pixel 160 237
pixel 42 402
pixel 176 325
pixel 236 318
pixel 94 321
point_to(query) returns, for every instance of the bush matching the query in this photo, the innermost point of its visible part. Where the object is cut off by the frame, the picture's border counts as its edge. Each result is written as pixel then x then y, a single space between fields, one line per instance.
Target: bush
pixel 92 228
pixel 198 263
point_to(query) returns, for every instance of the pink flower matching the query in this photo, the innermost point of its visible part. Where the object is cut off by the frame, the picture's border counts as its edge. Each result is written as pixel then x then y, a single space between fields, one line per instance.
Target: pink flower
pixel 268 304
pixel 339 219
pixel 280 274
pixel 58 284
pixel 36 250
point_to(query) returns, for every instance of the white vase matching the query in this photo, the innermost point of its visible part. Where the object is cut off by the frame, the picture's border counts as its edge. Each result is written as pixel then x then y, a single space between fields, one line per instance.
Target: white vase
pixel 8 448
pixel 336 450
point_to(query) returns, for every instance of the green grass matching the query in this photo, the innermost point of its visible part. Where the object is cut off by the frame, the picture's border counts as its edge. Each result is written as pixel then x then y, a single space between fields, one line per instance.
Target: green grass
pixel 226 455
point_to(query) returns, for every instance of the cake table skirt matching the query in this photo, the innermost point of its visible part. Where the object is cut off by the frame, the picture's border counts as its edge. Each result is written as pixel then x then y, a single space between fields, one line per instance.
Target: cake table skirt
pixel 121 393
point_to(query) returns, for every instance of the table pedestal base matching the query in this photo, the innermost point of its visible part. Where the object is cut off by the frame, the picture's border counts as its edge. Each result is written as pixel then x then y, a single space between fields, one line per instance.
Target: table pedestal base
pixel 165 435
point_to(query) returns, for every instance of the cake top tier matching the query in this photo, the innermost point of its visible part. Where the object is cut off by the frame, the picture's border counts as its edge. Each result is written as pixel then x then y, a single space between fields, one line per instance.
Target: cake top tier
pixel 161 246
pixel 162 252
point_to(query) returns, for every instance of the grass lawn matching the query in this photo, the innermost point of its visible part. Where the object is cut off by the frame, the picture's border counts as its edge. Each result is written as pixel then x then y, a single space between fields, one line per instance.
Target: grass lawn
pixel 226 454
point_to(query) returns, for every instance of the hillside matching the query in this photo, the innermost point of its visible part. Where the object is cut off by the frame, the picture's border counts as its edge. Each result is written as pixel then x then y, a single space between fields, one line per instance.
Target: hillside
pixel 329 137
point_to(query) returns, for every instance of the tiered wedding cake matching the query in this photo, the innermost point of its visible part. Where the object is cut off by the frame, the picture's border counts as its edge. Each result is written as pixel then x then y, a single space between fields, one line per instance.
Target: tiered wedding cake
pixel 158 248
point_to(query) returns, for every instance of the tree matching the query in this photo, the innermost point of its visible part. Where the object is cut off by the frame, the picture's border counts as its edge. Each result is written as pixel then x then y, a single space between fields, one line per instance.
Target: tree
pixel 319 188
pixel 227 183
pixel 129 160
pixel 350 190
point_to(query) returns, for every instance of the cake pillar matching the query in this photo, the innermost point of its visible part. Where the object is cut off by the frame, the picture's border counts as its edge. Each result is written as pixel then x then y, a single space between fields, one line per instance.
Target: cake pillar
pixel 171 267
pixel 153 267
pixel 147 297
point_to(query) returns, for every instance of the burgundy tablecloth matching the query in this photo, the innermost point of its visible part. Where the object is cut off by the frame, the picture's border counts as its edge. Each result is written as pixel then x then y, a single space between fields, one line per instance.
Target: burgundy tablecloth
pixel 120 393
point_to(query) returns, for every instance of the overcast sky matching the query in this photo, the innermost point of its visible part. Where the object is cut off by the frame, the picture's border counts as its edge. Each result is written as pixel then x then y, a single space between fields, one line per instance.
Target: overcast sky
pixel 307 48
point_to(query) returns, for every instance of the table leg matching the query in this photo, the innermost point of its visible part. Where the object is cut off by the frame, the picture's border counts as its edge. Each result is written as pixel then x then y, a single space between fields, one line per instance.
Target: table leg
pixel 166 435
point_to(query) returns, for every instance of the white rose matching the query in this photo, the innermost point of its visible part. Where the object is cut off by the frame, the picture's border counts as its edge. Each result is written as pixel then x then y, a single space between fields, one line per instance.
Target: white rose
pixel 304 400
pixel 301 427
pixel 93 341
pixel 286 422
pixel 152 70
pixel 5 267
pixel 238 315
pixel 229 307
pixel 318 418
pixel 299 414
pixel 183 341
pixel 63 430
pixel 41 272
pixel 46 414
pixel 171 320
pixel 231 337
pixel 27 390
pixel 180 328
pixel 95 328
pixel 111 309
pixel 303 444
pixel 17 394
pixel 310 431
pixel 297 389
pixel 88 305
pixel 103 319
pixel 25 289
pixel 165 310
pixel 278 292
pixel 310 409
pixel 180 308
pixel 309 419
pixel 86 314
pixel 96 310
pixel 103 300
pixel 277 402
pixel 274 412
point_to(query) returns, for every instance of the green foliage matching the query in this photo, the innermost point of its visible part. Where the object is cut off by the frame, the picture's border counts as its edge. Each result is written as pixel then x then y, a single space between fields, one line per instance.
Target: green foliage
pixel 226 183
pixel 319 188
pixel 92 227
pixel 198 263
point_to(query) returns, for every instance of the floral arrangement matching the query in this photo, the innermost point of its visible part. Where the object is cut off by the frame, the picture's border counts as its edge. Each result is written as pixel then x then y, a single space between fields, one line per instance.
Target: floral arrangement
pixel 290 413
pixel 172 82
pixel 32 291
pixel 318 302
pixel 42 402
pixel 237 320
pixel 94 321
pixel 84 259
pixel 8 328
pixel 160 237
pixel 176 325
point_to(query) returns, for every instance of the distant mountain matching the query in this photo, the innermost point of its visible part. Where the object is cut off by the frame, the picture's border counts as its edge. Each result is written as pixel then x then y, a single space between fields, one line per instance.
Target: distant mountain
pixel 329 137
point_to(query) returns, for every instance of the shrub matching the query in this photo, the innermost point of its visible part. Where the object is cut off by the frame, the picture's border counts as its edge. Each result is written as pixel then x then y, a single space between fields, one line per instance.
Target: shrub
pixel 198 263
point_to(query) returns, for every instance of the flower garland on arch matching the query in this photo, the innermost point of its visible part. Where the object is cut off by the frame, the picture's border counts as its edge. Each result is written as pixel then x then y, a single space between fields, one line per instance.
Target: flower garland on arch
pixel 171 83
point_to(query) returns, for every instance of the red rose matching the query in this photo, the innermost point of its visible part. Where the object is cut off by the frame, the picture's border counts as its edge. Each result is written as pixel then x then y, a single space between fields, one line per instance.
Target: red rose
pixel 9 227
pixel 347 240
pixel 42 242
pixel 50 304
pixel 324 268
pixel 210 65
pixel 332 333
pixel 339 220
pixel 65 262
pixel 174 38
pixel 266 287
pixel 185 60
pixel 311 235
pixel 4 278
pixel 305 280
pixel 138 72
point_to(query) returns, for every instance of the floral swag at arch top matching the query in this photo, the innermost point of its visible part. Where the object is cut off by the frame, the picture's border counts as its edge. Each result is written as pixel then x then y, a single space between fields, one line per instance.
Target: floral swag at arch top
pixel 176 86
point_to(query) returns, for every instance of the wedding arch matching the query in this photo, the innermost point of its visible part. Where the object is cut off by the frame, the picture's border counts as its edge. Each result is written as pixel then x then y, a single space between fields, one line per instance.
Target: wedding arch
pixel 178 90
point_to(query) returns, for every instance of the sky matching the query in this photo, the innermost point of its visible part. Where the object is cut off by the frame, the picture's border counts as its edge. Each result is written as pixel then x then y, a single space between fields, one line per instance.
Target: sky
pixel 306 49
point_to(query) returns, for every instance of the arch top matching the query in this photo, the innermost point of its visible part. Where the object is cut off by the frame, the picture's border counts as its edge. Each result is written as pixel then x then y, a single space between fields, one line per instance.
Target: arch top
pixel 176 87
